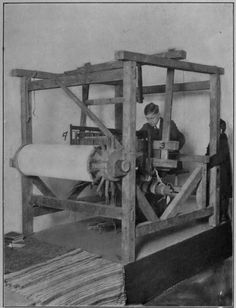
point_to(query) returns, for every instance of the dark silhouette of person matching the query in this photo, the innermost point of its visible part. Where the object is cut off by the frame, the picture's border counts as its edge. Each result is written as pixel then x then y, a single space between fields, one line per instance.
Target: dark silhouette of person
pixel 222 159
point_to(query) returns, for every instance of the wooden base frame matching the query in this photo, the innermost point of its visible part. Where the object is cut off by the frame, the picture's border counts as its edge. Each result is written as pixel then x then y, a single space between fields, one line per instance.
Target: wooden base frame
pixel 122 75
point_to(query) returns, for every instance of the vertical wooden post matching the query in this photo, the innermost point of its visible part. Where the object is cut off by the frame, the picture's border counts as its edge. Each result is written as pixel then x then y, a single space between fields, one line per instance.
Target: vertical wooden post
pixel 140 84
pixel 128 182
pixel 26 138
pixel 118 108
pixel 168 109
pixel 85 95
pixel 204 185
pixel 214 143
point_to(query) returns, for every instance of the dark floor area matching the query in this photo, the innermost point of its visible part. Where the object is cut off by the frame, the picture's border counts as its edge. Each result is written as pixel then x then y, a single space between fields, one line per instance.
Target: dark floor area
pixel 34 252
pixel 212 287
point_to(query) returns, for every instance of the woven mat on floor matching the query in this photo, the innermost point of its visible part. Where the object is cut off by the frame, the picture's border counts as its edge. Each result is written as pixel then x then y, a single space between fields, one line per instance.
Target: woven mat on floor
pixel 75 278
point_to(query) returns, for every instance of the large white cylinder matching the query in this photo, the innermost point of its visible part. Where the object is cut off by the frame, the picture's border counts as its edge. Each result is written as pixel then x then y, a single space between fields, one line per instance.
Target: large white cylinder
pixel 57 161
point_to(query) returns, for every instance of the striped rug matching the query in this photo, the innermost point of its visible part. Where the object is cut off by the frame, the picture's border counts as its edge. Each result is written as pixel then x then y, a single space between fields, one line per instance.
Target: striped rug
pixel 75 278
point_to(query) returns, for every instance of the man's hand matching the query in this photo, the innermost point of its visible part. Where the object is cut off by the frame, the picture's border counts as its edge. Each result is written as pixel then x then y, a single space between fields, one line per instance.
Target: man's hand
pixel 167 190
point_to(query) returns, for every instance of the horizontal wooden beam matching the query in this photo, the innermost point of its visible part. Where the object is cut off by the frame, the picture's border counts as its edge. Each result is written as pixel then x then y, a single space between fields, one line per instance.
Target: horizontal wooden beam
pixel 185 192
pixel 104 101
pixel 168 145
pixel 92 209
pixel 178 87
pixel 78 79
pixel 152 227
pixel 106 66
pixel 34 74
pixel 164 163
pixel 172 54
pixel 167 63
pixel 204 159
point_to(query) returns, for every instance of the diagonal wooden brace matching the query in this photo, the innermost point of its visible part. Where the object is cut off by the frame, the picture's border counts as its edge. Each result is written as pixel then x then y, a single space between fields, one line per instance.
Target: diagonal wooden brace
pixel 185 192
pixel 42 187
pixel 145 207
pixel 89 113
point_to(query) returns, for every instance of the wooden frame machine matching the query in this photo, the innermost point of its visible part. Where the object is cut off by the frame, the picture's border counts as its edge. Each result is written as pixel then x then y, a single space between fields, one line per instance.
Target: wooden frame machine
pixel 125 75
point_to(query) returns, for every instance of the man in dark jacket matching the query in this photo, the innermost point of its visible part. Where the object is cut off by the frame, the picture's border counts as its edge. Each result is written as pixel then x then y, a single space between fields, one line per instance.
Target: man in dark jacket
pixel 154 126
pixel 222 159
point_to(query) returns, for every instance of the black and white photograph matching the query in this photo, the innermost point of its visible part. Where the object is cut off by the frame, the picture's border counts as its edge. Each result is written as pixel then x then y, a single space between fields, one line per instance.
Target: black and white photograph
pixel 117 154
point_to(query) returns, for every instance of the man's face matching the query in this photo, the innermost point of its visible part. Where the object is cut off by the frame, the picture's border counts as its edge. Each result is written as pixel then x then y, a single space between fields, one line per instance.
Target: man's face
pixel 153 118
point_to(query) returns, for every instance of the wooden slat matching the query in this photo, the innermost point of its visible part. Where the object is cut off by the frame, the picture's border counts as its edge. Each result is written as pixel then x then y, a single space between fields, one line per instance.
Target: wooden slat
pixel 164 163
pixel 185 192
pixel 167 110
pixel 169 63
pixel 214 144
pixel 178 87
pixel 92 209
pixel 172 54
pixel 145 207
pixel 105 101
pixel 169 145
pixel 85 95
pixel 119 107
pixel 128 181
pixel 26 138
pixel 88 112
pixel 151 227
pixel 79 79
pixel 42 187
pixel 194 158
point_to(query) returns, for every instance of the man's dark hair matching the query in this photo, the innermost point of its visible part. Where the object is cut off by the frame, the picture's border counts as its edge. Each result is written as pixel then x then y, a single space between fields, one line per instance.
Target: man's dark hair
pixel 151 108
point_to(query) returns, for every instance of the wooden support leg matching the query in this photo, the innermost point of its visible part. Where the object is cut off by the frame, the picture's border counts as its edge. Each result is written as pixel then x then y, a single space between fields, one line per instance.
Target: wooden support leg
pixel 118 108
pixel 128 182
pixel 26 138
pixel 214 143
pixel 85 95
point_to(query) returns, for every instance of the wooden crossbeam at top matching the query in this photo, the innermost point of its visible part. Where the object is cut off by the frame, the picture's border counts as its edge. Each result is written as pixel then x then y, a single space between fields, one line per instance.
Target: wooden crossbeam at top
pixel 172 54
pixel 123 55
pixel 73 81
pixel 91 68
